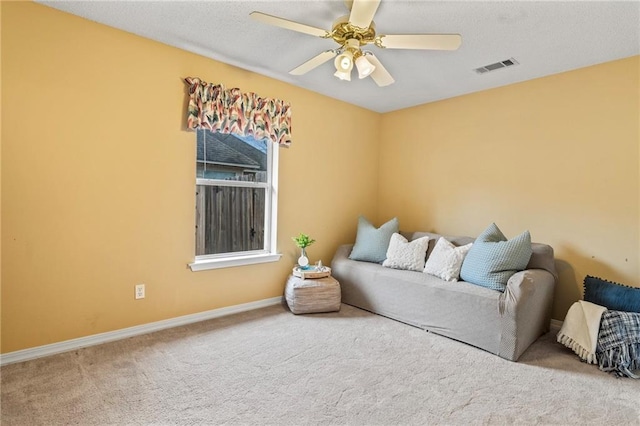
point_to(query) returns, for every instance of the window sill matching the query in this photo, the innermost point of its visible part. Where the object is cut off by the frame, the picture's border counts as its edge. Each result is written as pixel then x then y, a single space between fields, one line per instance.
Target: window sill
pixel 230 262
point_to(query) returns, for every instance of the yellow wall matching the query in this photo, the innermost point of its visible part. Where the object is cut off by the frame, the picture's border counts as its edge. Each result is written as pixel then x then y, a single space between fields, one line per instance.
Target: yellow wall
pixel 556 155
pixel 98 176
pixel 98 179
pixel 0 181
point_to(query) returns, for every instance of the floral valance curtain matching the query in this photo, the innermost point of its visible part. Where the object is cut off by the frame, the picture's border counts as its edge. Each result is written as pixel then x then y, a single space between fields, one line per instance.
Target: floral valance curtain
pixel 213 107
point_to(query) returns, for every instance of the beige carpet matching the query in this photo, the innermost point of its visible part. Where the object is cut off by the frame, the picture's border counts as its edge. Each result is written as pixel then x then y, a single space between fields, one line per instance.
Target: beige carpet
pixel 271 367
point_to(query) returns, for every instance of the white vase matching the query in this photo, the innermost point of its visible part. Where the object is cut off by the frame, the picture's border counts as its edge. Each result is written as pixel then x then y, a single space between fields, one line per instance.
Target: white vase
pixel 303 260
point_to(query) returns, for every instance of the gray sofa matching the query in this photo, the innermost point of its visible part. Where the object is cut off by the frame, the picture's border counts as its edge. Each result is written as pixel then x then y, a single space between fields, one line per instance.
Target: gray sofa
pixel 503 323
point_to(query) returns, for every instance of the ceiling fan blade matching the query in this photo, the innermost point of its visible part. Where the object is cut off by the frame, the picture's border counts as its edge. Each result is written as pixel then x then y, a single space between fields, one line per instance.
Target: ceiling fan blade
pixel 314 62
pixel 422 41
pixel 289 25
pixel 362 12
pixel 380 75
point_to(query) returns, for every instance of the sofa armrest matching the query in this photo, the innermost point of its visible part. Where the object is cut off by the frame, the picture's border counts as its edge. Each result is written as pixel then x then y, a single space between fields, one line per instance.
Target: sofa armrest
pixel 525 308
pixel 523 285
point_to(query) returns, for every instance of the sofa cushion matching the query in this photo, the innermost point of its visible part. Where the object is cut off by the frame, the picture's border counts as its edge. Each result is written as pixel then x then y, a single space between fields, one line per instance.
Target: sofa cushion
pixel 493 259
pixel 611 295
pixel 403 254
pixel 371 242
pixel 446 260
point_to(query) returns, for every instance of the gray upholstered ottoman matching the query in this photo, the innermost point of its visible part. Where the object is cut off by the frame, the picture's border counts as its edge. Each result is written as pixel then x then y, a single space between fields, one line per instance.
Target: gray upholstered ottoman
pixel 305 296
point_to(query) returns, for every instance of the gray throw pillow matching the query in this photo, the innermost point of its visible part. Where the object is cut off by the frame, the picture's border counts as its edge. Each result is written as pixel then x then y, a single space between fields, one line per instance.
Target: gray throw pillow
pixel 371 242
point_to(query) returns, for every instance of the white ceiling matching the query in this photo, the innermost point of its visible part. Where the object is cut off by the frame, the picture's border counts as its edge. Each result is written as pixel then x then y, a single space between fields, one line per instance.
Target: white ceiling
pixel 544 37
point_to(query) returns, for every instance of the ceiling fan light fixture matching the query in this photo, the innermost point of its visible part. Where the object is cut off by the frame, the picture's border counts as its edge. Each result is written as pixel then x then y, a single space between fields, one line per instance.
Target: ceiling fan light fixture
pixel 344 65
pixel 365 68
pixel 343 75
pixel 344 61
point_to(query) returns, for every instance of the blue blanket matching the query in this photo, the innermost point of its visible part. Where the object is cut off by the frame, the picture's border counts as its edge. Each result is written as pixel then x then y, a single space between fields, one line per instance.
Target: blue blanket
pixel 618 349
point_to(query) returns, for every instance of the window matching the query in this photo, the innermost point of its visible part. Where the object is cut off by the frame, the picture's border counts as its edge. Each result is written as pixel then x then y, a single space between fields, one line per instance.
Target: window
pixel 236 181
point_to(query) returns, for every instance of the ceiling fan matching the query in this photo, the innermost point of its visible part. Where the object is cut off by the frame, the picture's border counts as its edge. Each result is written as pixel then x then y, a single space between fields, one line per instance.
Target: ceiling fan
pixel 354 31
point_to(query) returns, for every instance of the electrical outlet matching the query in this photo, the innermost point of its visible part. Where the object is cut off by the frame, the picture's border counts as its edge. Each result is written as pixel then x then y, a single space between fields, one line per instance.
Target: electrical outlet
pixel 139 291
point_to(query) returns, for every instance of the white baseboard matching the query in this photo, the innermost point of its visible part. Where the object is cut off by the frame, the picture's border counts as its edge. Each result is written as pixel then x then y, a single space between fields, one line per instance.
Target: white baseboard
pixel 110 336
pixel 555 325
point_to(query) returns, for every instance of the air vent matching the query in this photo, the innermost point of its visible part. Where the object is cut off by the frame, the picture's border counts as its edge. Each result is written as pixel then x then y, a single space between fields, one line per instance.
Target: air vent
pixel 492 67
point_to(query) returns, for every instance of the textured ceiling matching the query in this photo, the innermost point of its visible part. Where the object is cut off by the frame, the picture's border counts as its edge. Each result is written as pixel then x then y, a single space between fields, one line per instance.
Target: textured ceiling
pixel 544 37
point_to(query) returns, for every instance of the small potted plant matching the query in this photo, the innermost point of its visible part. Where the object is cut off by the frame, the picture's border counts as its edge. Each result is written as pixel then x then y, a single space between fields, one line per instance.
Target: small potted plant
pixel 303 241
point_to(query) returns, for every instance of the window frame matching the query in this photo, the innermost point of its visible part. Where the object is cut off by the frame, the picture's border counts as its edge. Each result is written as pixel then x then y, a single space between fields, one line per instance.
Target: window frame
pixel 269 252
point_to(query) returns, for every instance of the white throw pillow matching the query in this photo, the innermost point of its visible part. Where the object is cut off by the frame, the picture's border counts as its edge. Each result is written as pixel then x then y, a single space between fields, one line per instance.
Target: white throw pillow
pixel 403 254
pixel 446 260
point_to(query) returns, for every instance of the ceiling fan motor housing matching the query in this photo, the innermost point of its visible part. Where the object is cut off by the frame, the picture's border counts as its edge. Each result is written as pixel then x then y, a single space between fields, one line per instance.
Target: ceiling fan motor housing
pixel 344 31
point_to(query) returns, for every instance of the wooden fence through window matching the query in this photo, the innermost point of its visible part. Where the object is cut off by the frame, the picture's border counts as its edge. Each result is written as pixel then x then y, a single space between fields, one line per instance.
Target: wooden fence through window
pixel 229 219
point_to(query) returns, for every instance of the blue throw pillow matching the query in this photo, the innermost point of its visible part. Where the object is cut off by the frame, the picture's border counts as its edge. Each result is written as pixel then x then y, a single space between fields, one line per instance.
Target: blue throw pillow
pixel 493 259
pixel 613 296
pixel 371 242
